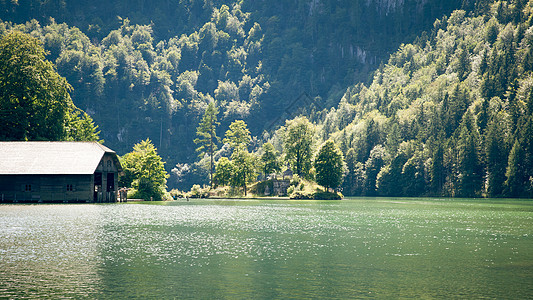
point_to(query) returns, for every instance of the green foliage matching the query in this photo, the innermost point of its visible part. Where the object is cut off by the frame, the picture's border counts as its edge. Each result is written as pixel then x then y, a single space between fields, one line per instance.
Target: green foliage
pixel 207 136
pixel 269 159
pixel 450 108
pixel 238 136
pixel 298 145
pixel 244 168
pixel 79 126
pixel 329 165
pixel 254 58
pixel 441 117
pixel 224 171
pixel 198 192
pixel 34 99
pixel 144 171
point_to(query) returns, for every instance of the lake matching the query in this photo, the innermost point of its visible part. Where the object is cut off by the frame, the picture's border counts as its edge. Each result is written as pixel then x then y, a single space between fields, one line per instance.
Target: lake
pixel 354 248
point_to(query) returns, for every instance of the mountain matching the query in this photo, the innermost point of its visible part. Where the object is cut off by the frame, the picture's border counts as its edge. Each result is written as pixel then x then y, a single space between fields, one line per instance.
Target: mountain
pixel 449 115
pixel 149 68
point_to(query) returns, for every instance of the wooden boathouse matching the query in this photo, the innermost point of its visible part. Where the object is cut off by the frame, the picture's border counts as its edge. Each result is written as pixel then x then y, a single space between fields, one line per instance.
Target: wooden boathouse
pixel 58 172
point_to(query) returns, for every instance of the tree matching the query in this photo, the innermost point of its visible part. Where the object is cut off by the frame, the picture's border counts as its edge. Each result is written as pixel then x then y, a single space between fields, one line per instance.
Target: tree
pixel 297 145
pixel 391 180
pixel 496 153
pixel 469 168
pixel 269 159
pixel 353 182
pixel 144 171
pixel 224 171
pixel 207 136
pixel 373 166
pixel 79 126
pixel 329 165
pixel 243 168
pixel 515 182
pixel 238 136
pixel 437 171
pixel 34 99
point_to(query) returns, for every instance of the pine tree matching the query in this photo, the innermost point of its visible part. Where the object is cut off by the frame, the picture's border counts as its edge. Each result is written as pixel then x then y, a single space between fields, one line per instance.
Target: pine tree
pixel 207 136
pixel 496 157
pixel 514 184
pixel 437 170
pixel 470 171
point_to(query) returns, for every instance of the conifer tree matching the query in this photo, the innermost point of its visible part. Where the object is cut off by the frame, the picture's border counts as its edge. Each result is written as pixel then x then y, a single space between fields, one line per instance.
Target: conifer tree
pixel 496 157
pixel 514 184
pixel 207 136
pixel 437 171
pixel 469 163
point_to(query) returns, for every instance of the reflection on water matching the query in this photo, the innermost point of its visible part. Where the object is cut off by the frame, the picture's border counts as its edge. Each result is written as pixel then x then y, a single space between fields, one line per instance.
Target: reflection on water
pixel 269 249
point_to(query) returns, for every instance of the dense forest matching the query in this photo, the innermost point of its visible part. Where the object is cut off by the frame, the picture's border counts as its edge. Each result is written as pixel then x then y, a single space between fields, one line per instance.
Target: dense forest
pixel 447 113
pixel 149 68
pixel 450 114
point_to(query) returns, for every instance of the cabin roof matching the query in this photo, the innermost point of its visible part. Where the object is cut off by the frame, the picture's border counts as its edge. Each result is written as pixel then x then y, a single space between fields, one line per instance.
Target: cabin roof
pixel 52 158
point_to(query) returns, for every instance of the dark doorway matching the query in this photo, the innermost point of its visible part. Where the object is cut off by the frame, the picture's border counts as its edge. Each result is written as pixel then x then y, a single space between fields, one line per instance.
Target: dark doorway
pixel 97 185
pixel 110 187
pixel 110 182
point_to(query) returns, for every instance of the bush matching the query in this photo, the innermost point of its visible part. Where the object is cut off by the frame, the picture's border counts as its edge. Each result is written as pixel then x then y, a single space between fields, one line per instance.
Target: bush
pixel 176 194
pixel 317 195
pixel 321 195
pixel 300 195
pixel 198 192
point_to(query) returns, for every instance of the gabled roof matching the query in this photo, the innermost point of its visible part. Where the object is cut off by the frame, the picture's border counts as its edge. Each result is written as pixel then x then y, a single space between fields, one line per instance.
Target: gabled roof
pixel 51 158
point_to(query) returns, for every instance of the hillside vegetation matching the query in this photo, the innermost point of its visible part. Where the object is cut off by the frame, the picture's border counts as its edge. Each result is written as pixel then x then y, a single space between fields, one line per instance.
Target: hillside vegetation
pixel 450 114
pixel 149 68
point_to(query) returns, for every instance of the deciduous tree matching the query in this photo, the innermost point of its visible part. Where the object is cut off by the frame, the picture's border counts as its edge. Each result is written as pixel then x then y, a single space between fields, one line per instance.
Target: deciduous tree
pixel 244 166
pixel 224 171
pixel 297 145
pixel 34 99
pixel 145 171
pixel 269 159
pixel 329 165
pixel 238 136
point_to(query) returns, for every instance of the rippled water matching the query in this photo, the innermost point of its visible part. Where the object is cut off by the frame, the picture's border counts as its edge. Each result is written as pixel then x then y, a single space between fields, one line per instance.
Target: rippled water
pixel 355 248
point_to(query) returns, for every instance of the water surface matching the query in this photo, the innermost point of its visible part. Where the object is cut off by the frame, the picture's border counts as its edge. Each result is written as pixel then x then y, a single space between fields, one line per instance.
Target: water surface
pixel 355 248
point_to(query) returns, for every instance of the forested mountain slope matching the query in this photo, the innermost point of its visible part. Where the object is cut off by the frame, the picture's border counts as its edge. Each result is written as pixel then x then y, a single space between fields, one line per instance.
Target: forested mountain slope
pixel 451 114
pixel 149 68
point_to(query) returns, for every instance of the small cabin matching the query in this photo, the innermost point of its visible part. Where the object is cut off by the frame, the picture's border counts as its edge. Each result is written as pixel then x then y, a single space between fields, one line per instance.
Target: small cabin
pixel 61 172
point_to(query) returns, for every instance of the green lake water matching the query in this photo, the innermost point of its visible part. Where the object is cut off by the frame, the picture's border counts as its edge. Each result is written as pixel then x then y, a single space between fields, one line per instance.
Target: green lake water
pixel 354 248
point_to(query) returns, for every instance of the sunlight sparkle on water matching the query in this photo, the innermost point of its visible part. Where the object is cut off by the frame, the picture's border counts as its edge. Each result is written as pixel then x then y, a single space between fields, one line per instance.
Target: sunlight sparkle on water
pixel 269 249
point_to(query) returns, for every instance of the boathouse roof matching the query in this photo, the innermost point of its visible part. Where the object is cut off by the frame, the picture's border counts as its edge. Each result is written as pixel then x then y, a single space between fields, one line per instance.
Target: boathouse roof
pixel 52 158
